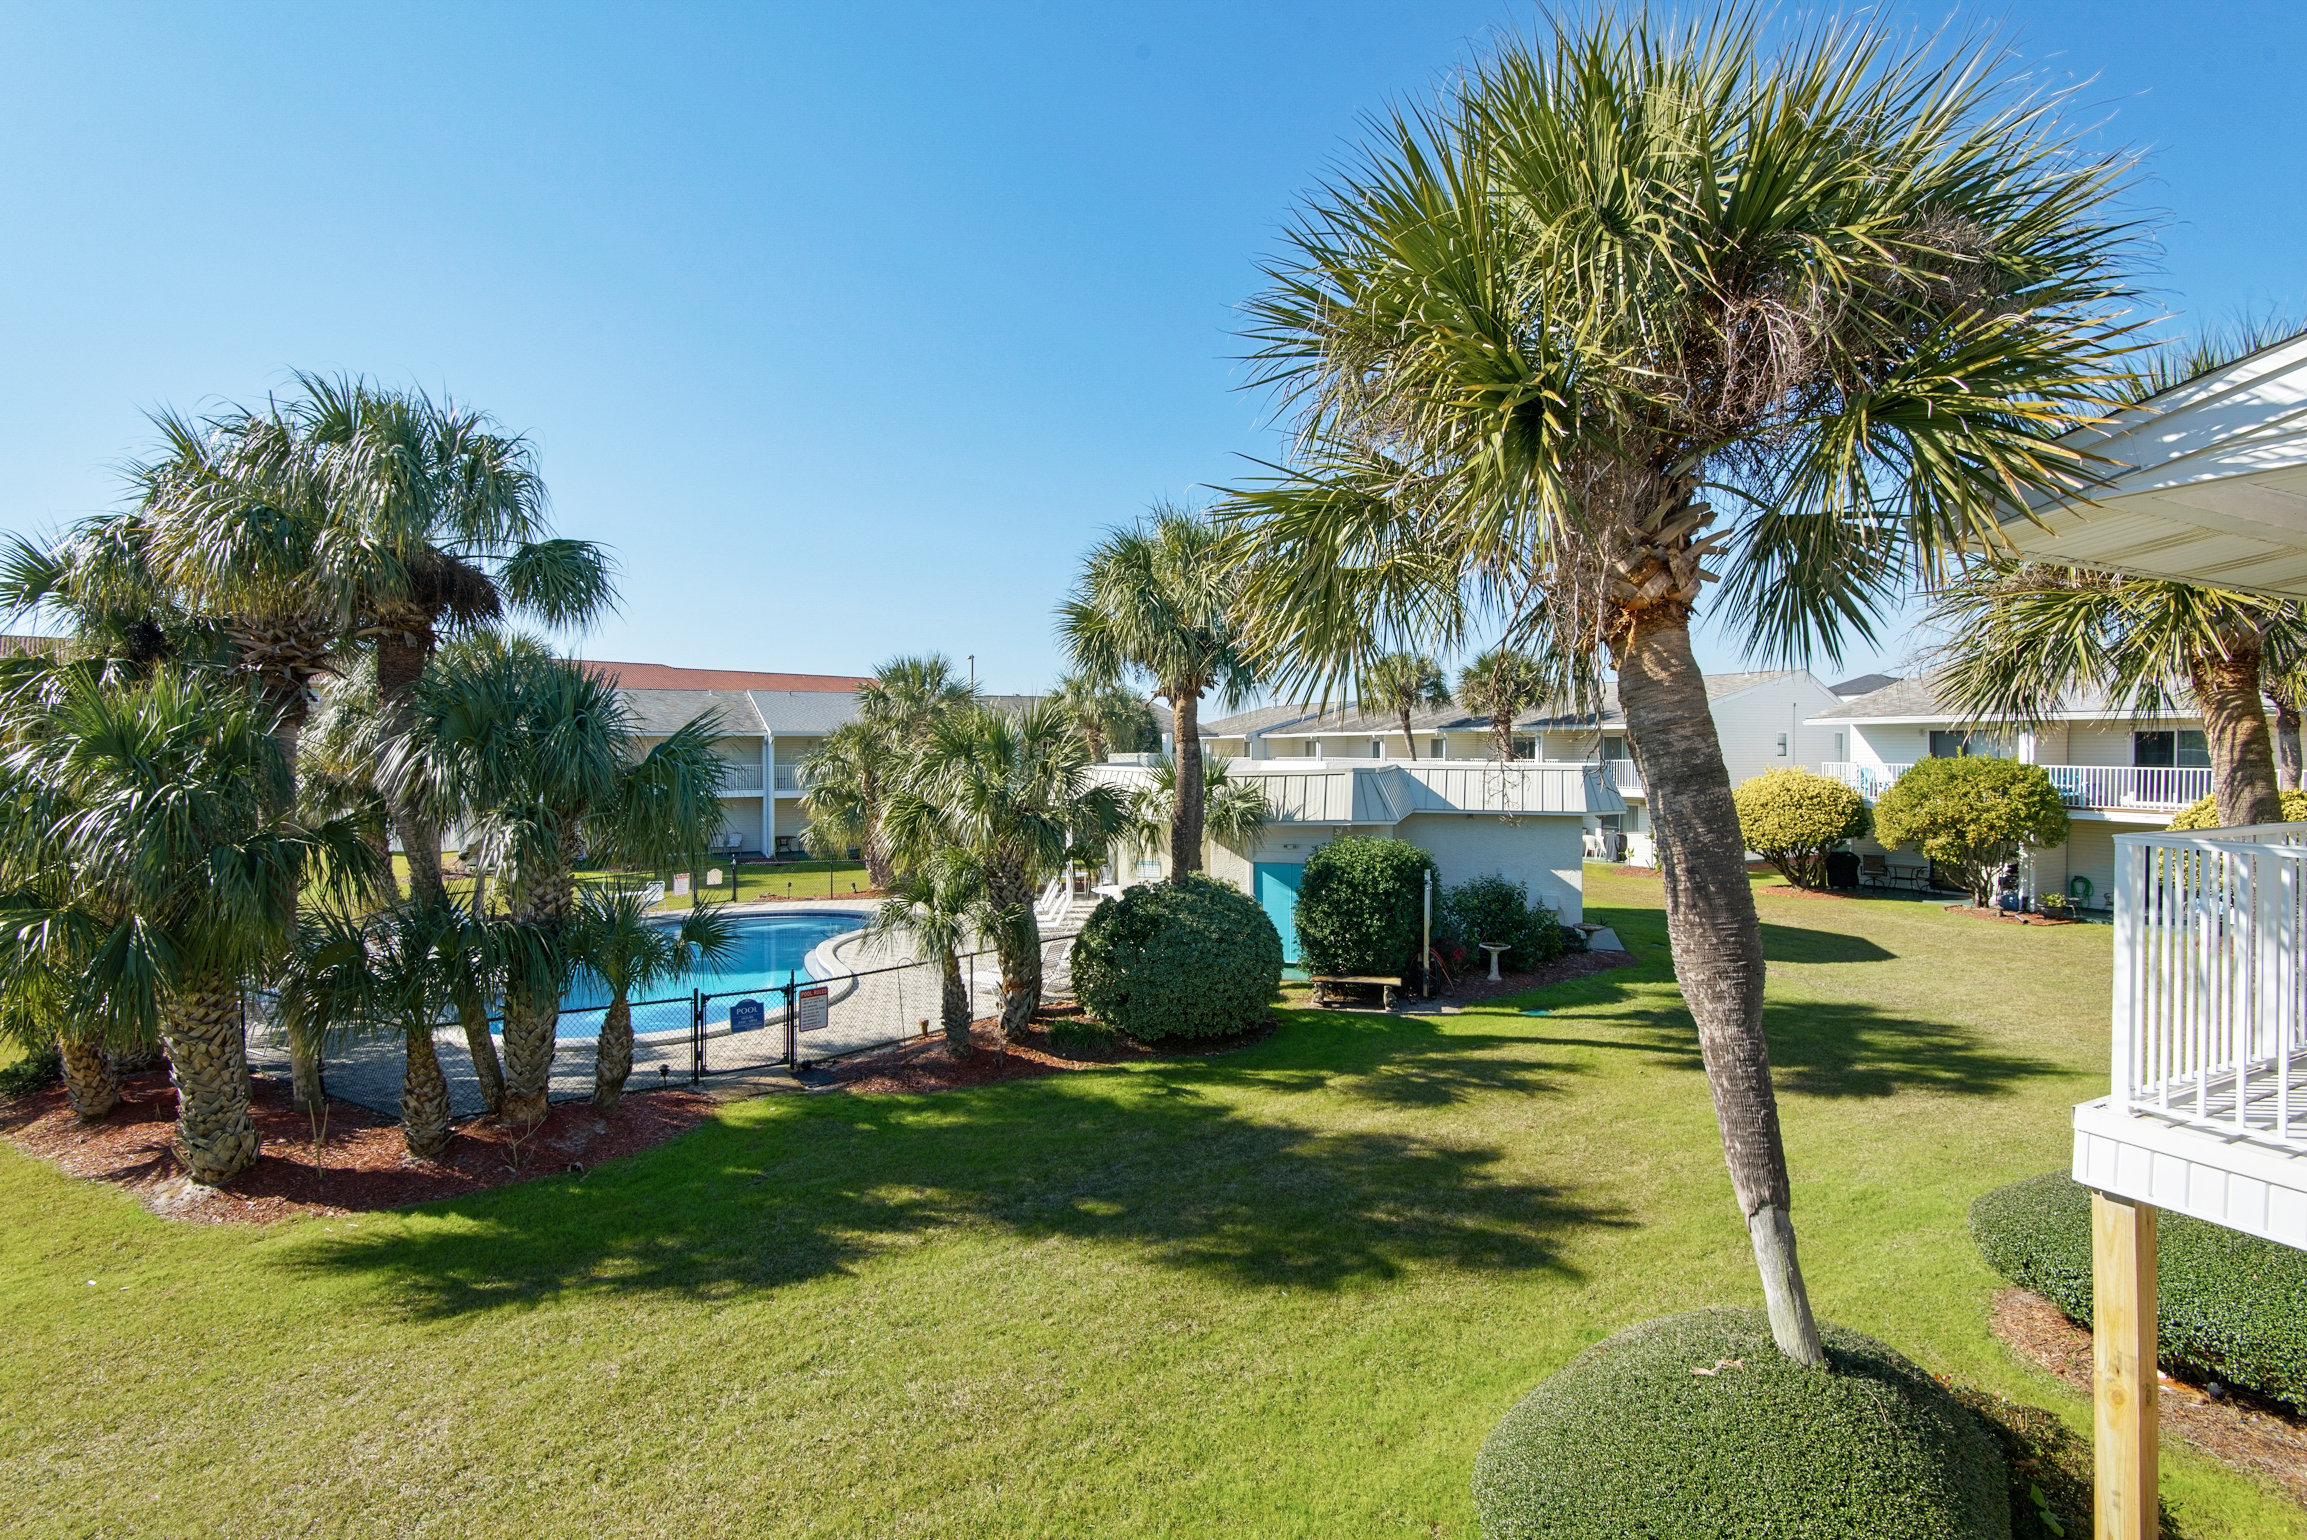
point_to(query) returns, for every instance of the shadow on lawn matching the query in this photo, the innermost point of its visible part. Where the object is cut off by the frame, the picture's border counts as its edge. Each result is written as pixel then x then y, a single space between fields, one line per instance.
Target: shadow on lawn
pixel 790 1190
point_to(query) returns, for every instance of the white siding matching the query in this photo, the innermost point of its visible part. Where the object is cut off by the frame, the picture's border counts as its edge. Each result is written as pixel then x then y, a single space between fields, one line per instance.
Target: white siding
pixel 1545 855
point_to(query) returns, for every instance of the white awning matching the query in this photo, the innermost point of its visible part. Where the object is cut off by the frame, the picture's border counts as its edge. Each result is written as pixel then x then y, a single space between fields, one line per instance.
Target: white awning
pixel 2207 484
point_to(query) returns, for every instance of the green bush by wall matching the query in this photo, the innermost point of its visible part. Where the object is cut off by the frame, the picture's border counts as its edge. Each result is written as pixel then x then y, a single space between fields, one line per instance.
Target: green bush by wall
pixel 1696 1426
pixel 2203 812
pixel 1361 906
pixel 1496 910
pixel 1792 818
pixel 2231 1307
pixel 1190 957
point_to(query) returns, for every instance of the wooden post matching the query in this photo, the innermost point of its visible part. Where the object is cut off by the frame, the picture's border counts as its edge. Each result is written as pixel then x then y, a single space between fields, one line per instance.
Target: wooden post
pixel 2123 1389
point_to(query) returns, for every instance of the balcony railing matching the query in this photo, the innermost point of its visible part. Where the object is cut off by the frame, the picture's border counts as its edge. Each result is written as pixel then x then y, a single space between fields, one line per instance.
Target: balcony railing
pixel 788 778
pixel 1622 774
pixel 2211 980
pixel 2149 788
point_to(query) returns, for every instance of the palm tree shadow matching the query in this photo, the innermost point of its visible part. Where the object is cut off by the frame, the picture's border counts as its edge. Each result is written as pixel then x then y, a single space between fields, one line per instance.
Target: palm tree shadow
pixel 1800 944
pixel 1163 1171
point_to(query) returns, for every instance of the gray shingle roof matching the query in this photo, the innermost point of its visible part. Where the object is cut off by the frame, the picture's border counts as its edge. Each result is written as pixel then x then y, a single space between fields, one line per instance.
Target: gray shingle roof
pixel 657 713
pixel 1864 684
pixel 1350 719
pixel 1918 698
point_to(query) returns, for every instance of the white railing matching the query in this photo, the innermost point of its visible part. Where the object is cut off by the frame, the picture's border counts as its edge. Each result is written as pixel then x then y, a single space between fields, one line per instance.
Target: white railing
pixel 2119 786
pixel 1623 774
pixel 788 778
pixel 2211 980
pixel 1869 781
pixel 2153 788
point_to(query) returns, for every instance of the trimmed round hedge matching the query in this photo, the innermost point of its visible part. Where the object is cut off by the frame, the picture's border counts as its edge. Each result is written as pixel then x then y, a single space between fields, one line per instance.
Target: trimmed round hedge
pixel 2203 812
pixel 2230 1306
pixel 1360 905
pixel 1495 909
pixel 1792 818
pixel 1190 957
pixel 1696 1426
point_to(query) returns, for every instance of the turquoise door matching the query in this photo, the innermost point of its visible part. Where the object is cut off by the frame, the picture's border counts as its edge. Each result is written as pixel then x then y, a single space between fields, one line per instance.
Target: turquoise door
pixel 1278 895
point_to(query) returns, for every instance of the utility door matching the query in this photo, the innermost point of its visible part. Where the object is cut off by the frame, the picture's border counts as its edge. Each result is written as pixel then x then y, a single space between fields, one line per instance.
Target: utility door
pixel 1277 886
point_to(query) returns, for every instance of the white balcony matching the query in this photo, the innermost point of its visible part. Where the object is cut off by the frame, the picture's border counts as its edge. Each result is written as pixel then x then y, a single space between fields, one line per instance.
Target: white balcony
pixel 1623 775
pixel 2097 788
pixel 2207 1105
pixel 789 778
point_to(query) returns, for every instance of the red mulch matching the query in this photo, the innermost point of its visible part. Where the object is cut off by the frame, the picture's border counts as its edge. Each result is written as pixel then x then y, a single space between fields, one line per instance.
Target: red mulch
pixel 923 1065
pixel 1973 911
pixel 364 1164
pixel 2239 1429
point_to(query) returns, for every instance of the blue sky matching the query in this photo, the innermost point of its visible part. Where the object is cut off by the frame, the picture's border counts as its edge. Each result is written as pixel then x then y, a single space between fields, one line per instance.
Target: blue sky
pixel 848 327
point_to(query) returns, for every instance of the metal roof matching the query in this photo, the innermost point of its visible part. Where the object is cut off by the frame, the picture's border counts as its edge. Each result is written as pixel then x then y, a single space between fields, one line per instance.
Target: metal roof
pixel 1340 792
pixel 1350 721
pixel 2205 483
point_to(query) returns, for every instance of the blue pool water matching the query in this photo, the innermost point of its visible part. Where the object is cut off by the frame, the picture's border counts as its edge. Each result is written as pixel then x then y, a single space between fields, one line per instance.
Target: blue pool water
pixel 772 951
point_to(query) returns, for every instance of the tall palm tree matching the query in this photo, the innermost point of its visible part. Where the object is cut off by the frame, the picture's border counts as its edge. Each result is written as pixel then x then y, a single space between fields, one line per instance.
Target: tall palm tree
pixel 1157 601
pixel 1110 719
pixel 550 772
pixel 158 822
pixel 935 906
pixel 631 953
pixel 389 971
pixel 1012 794
pixel 2022 635
pixel 1402 682
pixel 2284 692
pixel 847 779
pixel 1852 291
pixel 1499 685
pixel 1232 811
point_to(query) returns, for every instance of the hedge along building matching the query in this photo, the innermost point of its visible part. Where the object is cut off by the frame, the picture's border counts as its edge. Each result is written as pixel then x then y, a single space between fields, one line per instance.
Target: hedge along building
pixel 1761 720
pixel 2206 1112
pixel 2116 770
pixel 1523 821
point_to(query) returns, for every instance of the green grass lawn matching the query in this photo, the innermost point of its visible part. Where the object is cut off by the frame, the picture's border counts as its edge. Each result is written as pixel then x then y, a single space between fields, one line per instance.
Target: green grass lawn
pixel 1285 1293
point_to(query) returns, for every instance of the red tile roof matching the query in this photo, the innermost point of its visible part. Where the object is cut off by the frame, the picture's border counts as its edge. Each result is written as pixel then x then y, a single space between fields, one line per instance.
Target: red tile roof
pixel 663 676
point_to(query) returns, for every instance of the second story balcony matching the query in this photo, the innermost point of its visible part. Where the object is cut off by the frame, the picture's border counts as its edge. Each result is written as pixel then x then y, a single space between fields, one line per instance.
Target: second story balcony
pixel 2097 788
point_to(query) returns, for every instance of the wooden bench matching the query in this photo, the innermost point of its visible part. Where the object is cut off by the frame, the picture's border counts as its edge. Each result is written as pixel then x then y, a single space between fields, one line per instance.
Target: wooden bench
pixel 1384 986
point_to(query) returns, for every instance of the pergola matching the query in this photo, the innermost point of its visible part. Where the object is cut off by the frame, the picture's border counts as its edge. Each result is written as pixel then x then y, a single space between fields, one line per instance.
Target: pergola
pixel 2205 483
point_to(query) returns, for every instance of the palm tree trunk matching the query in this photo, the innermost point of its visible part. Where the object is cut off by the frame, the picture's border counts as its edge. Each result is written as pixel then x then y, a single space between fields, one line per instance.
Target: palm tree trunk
pixel 1717 943
pixel 954 1008
pixel 90 1082
pixel 613 1054
pixel 424 1098
pixel 2227 693
pixel 428 888
pixel 1502 734
pixel 1186 823
pixel 533 1002
pixel 1017 943
pixel 208 1060
pixel 1406 738
pixel 2286 738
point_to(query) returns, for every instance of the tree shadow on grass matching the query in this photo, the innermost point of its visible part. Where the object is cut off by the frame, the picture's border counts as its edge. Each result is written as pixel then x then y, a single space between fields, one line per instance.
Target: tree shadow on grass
pixel 1800 944
pixel 781 1192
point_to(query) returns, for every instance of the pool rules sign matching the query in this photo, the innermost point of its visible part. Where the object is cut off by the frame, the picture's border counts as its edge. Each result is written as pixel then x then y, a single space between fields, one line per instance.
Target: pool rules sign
pixel 813 1006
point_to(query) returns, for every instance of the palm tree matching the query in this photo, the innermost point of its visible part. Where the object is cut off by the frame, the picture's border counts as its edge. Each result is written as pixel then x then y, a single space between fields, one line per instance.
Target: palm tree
pixel 848 777
pixel 934 906
pixel 2022 635
pixel 2284 692
pixel 157 825
pixel 1854 293
pixel 1232 811
pixel 1012 795
pixel 1500 685
pixel 549 771
pixel 1157 601
pixel 390 971
pixel 631 953
pixel 1110 719
pixel 1403 682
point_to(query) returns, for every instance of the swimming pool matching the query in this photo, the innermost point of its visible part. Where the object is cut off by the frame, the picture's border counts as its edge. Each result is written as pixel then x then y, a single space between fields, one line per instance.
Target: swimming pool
pixel 772 951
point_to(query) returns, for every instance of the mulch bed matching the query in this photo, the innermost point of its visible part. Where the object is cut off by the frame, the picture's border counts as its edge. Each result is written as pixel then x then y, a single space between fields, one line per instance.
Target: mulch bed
pixel 2240 1429
pixel 923 1065
pixel 1973 911
pixel 364 1165
pixel 1571 965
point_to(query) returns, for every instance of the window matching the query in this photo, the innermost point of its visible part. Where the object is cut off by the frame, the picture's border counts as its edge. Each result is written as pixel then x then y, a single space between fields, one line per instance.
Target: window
pixel 2182 749
pixel 1377 748
pixel 1438 749
pixel 1610 820
pixel 1614 748
pixel 1979 745
pixel 1838 747
pixel 1313 748
pixel 1525 748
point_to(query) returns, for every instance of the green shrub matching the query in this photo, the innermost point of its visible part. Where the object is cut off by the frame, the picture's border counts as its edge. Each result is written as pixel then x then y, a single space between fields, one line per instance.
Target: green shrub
pixel 1075 1035
pixel 1696 1426
pixel 1190 957
pixel 39 1069
pixel 1361 906
pixel 2231 1307
pixel 2203 813
pixel 1494 909
pixel 1792 818
pixel 1971 815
